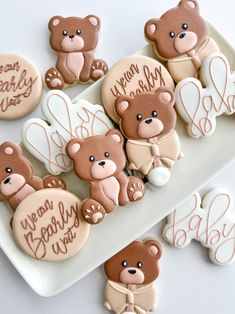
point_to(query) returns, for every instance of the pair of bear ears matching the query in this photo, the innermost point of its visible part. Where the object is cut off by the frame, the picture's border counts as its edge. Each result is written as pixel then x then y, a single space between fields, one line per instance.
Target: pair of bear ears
pixel 56 21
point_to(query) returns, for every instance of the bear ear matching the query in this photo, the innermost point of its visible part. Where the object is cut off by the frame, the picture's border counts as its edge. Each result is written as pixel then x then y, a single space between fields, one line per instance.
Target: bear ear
pixel 121 105
pixel 93 20
pixel 189 5
pixel 151 28
pixel 73 147
pixel 116 136
pixel 54 21
pixel 166 95
pixel 155 248
pixel 10 149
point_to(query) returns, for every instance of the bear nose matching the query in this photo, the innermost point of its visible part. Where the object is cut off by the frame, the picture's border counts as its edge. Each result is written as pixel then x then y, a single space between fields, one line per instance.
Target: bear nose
pixel 7 180
pixel 132 271
pixel 71 36
pixel 182 35
pixel 148 121
pixel 102 163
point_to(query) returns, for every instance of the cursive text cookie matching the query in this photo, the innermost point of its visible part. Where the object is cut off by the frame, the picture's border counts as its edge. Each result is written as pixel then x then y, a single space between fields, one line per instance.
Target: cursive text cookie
pixel 46 140
pixel 200 106
pixel 208 221
pixel 20 87
pixel 131 76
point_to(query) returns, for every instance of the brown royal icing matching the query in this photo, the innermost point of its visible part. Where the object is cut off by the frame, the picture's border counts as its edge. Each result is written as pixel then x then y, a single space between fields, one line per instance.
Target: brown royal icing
pixel 148 121
pixel 131 274
pixel 180 36
pixel 100 160
pixel 74 40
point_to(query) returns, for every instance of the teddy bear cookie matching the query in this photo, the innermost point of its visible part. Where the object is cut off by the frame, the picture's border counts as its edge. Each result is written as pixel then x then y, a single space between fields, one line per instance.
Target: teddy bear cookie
pixel 46 139
pixel 180 37
pixel 100 161
pixel 74 39
pixel 20 86
pixel 208 220
pixel 148 121
pixel 131 274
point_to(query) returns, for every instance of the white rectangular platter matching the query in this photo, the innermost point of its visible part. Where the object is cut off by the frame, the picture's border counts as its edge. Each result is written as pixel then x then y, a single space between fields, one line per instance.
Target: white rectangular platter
pixel 204 158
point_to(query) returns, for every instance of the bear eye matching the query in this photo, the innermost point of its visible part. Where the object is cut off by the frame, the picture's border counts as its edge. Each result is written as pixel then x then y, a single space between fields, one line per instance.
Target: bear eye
pixel 124 263
pixel 185 26
pixel 107 154
pixel 154 114
pixel 78 31
pixel 65 33
pixel 139 117
pixel 172 34
pixel 92 158
pixel 8 170
pixel 139 264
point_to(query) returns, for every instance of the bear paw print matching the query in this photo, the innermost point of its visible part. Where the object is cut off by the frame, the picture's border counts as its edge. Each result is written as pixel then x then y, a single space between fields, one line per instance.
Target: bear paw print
pixel 54 79
pixel 53 182
pixel 92 211
pixel 135 189
pixel 99 68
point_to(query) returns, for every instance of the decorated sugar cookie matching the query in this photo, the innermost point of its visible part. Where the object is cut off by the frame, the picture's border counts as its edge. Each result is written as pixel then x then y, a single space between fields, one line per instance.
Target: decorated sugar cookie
pixel 209 220
pixel 180 36
pixel 46 139
pixel 131 76
pixel 148 121
pixel 20 87
pixel 131 274
pixel 100 161
pixel 74 39
pixel 200 106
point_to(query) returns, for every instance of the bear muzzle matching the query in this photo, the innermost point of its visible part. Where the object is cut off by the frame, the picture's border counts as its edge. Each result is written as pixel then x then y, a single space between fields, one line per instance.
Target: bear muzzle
pixel 185 42
pixel 72 43
pixel 132 275
pixel 150 127
pixel 103 169
pixel 12 184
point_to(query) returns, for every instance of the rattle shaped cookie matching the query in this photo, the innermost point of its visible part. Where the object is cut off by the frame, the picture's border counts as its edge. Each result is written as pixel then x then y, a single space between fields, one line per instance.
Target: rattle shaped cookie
pixel 46 140
pixel 74 40
pixel 100 160
pixel 180 36
pixel 131 274
pixel 208 221
pixel 148 121
pixel 199 106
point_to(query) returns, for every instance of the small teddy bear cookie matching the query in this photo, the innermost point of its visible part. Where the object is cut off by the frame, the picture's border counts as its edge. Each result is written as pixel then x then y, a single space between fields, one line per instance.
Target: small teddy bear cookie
pixel 46 139
pixel 180 36
pixel 20 86
pixel 148 121
pixel 74 39
pixel 200 106
pixel 100 160
pixel 131 274
pixel 209 221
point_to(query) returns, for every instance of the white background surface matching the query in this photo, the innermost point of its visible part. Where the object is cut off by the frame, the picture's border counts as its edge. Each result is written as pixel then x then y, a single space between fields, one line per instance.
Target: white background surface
pixel 188 283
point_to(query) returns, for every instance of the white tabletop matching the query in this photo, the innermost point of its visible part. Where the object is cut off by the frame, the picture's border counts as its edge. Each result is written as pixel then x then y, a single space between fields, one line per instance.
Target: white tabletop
pixel 188 282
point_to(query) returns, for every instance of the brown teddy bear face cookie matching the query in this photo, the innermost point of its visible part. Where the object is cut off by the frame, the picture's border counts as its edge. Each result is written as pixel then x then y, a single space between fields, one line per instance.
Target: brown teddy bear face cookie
pixel 100 160
pixel 146 115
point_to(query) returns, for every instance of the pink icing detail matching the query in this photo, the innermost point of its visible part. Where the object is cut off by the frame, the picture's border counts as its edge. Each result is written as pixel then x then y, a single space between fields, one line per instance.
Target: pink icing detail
pixel 75 148
pixel 127 278
pixel 95 217
pixel 123 105
pixel 185 42
pixel 111 189
pixel 8 150
pixel 191 4
pixel 72 44
pixel 137 195
pixel 166 96
pixel 75 63
pixel 152 28
pixel 12 184
pixel 56 22
pixel 116 138
pixel 102 169
pixel 153 250
pixel 56 82
pixel 147 130
pixel 93 21
pixel 98 73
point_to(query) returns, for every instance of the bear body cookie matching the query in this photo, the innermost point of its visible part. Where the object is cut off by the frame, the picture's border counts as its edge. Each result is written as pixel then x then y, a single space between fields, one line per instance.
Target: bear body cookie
pixel 209 221
pixel 46 139
pixel 200 106
pixel 74 40
pixel 148 121
pixel 131 274
pixel 180 36
pixel 100 160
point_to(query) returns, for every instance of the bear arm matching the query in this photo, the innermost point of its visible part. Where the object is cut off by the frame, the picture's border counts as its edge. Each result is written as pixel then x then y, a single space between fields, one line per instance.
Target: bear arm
pixel 97 193
pixel 61 66
pixel 36 183
pixel 86 70
pixel 13 202
pixel 123 181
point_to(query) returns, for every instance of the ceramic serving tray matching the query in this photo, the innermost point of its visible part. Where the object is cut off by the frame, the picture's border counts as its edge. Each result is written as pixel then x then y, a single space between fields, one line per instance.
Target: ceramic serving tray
pixel 204 158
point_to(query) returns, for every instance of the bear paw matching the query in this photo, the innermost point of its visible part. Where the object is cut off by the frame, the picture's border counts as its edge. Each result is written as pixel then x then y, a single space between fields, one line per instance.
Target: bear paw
pixel 53 182
pixel 159 176
pixel 92 211
pixel 54 79
pixel 135 189
pixel 98 69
